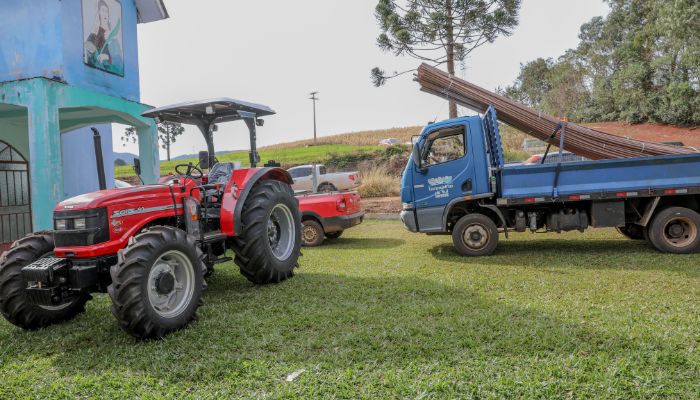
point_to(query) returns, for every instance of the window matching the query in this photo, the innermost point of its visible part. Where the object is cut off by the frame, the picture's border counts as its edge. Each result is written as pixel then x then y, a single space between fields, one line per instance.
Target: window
pixel 300 172
pixel 444 145
pixel 322 170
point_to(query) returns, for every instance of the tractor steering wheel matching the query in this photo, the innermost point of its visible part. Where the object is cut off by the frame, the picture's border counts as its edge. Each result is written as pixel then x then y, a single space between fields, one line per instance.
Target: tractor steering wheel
pixel 190 169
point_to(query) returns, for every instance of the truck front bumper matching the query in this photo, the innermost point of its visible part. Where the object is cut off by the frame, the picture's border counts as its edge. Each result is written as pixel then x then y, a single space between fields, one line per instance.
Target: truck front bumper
pixel 343 222
pixel 408 217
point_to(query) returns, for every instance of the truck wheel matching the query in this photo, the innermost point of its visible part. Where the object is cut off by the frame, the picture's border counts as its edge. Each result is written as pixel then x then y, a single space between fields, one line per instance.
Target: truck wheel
pixel 269 245
pixel 14 305
pixel 312 233
pixel 475 235
pixel 157 282
pixel 334 235
pixel 632 231
pixel 675 230
pixel 326 187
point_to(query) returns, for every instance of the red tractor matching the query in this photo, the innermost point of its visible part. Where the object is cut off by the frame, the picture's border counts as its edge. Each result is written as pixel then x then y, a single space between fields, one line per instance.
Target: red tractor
pixel 150 247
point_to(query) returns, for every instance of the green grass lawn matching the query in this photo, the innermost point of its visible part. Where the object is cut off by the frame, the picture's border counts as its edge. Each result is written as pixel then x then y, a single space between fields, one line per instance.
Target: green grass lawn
pixel 382 313
pixel 286 156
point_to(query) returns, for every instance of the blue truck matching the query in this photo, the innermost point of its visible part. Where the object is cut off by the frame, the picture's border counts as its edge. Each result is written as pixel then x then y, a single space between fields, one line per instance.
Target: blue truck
pixel 457 183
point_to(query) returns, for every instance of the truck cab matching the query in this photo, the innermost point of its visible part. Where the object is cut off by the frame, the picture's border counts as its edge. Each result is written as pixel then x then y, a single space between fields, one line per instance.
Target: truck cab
pixel 449 164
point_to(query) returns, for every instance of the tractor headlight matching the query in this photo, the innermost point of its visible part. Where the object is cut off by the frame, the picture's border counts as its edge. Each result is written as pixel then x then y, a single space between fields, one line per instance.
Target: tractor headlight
pixel 79 223
pixel 61 224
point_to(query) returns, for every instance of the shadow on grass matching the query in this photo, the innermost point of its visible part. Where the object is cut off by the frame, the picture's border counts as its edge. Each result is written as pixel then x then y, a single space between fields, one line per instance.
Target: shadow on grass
pixel 363 243
pixel 588 254
pixel 336 322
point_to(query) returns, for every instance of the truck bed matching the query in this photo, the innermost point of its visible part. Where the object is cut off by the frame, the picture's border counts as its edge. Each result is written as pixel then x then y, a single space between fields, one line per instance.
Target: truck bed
pixel 616 178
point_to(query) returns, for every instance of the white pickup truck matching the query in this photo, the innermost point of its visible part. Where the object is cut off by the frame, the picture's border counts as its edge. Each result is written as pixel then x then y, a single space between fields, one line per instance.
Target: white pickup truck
pixel 326 182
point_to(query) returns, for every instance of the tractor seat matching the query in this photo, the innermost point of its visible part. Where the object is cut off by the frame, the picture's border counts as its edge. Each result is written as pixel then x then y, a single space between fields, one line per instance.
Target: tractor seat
pixel 220 173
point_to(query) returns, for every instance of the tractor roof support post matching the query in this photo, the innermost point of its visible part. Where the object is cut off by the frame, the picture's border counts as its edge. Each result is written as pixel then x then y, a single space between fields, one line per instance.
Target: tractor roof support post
pixel 206 128
pixel 250 121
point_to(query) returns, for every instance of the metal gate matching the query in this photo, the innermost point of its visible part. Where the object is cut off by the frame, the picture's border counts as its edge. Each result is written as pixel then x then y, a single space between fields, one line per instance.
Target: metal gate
pixel 15 203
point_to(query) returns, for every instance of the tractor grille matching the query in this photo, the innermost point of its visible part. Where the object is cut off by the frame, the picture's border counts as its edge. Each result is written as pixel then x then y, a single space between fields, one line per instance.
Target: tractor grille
pixel 96 228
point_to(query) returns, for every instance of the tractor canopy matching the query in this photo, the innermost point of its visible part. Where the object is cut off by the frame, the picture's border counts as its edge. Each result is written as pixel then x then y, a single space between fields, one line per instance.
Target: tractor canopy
pixel 205 114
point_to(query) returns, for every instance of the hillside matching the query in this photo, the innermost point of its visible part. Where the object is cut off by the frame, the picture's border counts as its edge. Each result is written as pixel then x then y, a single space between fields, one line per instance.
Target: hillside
pixel 362 138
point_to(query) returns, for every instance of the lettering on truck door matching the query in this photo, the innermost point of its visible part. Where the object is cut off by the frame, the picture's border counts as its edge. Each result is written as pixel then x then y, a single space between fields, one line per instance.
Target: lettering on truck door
pixel 446 173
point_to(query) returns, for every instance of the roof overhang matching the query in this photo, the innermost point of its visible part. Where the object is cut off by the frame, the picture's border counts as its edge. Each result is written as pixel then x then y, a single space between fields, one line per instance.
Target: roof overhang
pixel 150 11
pixel 210 111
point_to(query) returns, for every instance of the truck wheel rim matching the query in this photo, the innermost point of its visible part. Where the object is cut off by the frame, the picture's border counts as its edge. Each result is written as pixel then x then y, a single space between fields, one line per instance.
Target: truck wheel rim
pixel 280 232
pixel 475 237
pixel 680 232
pixel 310 234
pixel 171 284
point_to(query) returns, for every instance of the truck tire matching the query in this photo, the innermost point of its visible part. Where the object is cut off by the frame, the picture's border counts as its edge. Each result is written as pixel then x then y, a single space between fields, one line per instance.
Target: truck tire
pixel 475 235
pixel 675 230
pixel 157 282
pixel 312 233
pixel 334 235
pixel 268 247
pixel 14 305
pixel 632 231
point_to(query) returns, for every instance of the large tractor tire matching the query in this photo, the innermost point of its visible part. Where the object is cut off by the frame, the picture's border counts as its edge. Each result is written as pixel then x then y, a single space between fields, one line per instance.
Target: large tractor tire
pixel 157 283
pixel 268 247
pixel 675 230
pixel 14 304
pixel 475 235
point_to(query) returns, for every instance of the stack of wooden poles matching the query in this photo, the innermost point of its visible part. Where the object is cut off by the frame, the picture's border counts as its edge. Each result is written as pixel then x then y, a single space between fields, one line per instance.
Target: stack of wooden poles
pixel 578 139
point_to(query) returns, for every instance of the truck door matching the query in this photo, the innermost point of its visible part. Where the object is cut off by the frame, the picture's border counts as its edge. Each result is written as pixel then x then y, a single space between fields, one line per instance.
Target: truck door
pixel 446 172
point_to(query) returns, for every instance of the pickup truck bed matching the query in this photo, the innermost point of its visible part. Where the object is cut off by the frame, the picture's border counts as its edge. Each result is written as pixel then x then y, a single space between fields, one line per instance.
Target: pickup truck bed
pixel 327 215
pixel 590 180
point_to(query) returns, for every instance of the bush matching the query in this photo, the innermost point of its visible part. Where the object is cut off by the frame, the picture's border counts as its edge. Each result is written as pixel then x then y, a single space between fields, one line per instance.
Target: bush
pixel 377 182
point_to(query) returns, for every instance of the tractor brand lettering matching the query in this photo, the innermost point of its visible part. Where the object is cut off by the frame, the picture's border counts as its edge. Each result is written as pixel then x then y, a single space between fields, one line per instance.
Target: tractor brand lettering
pixel 141 210
pixel 441 180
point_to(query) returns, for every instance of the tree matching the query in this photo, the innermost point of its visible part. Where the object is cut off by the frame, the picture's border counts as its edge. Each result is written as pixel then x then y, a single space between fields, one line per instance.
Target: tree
pixel 167 134
pixel 639 63
pixel 441 32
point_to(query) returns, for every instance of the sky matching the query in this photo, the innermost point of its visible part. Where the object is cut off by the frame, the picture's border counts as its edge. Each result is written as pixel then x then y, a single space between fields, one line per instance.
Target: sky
pixel 277 52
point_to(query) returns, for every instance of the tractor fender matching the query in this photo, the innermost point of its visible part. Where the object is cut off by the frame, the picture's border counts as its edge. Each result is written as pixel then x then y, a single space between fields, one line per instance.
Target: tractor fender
pixel 237 191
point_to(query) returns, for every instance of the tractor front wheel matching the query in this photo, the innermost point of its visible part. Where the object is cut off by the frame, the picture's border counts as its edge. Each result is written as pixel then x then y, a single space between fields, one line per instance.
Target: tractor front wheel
pixel 157 283
pixel 14 304
pixel 268 247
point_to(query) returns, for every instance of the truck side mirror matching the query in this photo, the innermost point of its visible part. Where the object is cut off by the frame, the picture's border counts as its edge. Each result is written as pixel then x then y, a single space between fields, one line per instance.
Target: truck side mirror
pixel 137 166
pixel 204 160
pixel 416 158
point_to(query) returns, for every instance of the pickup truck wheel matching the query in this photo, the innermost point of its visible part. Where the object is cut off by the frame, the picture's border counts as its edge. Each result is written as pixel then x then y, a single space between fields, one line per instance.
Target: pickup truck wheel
pixel 334 235
pixel 157 282
pixel 312 233
pixel 268 247
pixel 632 231
pixel 327 187
pixel 14 305
pixel 475 235
pixel 675 230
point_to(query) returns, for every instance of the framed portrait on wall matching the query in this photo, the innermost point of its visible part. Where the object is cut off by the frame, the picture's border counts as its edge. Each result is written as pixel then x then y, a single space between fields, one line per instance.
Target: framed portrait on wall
pixel 102 35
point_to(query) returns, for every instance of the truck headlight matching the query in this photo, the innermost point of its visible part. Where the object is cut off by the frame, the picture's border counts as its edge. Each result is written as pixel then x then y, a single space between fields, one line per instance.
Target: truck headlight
pixel 79 223
pixel 61 224
pixel 407 206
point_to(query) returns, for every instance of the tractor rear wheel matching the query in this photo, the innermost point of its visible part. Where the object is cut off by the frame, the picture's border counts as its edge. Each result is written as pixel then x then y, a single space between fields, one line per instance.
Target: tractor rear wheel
pixel 157 283
pixel 14 304
pixel 268 247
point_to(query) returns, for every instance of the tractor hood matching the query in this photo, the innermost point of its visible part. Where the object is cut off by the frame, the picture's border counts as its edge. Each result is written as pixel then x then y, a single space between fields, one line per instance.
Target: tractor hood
pixel 109 197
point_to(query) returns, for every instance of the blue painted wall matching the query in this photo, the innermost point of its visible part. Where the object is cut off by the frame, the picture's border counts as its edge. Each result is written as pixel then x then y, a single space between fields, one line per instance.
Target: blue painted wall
pixel 44 38
pixel 79 165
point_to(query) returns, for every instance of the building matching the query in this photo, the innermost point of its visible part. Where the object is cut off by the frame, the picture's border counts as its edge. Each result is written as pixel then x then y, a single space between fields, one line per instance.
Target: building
pixel 66 66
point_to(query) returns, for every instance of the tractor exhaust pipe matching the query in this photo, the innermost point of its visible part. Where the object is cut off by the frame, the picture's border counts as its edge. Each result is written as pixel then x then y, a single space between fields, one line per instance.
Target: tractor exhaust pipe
pixel 98 159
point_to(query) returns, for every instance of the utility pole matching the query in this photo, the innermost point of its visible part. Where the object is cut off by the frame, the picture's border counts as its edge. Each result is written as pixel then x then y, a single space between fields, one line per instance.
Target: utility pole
pixel 314 99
